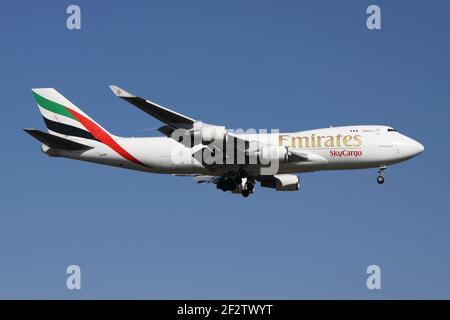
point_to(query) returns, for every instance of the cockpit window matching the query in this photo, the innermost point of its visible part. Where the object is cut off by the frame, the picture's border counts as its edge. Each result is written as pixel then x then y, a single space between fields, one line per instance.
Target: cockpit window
pixel 391 130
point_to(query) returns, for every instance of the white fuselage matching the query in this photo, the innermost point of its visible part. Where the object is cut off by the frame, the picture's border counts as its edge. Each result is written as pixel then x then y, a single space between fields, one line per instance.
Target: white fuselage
pixel 337 148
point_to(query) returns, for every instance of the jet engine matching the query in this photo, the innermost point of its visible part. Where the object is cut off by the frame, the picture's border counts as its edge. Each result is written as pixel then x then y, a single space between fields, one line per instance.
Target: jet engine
pixel 267 154
pixel 281 182
pixel 207 134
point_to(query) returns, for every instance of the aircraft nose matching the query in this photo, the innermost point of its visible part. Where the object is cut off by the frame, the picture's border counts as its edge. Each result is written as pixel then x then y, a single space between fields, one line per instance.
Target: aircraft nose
pixel 409 148
pixel 419 147
pixel 415 148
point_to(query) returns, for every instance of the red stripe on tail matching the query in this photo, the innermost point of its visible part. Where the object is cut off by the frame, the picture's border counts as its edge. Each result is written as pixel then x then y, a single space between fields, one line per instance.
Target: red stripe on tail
pixel 103 136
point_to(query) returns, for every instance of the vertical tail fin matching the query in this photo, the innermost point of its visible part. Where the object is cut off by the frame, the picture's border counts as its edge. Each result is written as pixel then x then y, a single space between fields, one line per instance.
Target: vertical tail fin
pixel 63 118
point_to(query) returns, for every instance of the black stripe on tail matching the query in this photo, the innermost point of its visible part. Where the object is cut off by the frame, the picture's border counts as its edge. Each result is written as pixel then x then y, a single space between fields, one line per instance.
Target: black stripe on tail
pixel 67 129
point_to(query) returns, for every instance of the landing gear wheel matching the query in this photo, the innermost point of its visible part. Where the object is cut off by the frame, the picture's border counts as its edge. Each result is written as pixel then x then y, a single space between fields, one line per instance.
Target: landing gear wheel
pixel 245 193
pixel 380 179
pixel 249 186
pixel 230 184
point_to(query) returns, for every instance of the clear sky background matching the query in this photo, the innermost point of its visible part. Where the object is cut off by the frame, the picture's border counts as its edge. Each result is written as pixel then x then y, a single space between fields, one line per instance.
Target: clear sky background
pixel 291 65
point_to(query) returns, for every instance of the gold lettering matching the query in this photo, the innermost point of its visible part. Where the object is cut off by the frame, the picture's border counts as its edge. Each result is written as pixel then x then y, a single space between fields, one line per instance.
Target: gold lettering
pixel 300 142
pixel 329 143
pixel 358 140
pixel 338 140
pixel 347 140
pixel 319 141
pixel 281 139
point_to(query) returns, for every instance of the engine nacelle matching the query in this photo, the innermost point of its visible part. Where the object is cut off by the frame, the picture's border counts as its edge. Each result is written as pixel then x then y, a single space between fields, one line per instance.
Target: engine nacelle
pixel 207 134
pixel 267 154
pixel 214 133
pixel 282 182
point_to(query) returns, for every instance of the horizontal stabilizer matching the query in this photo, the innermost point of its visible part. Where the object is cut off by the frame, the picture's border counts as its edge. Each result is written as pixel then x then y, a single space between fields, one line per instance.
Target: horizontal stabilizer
pixel 56 142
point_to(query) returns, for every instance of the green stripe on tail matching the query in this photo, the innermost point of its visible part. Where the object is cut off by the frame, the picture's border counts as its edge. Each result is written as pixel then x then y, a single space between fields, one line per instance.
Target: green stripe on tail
pixel 52 106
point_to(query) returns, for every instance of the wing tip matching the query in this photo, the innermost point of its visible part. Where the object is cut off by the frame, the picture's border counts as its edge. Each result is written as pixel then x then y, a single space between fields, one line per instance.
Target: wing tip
pixel 29 130
pixel 119 92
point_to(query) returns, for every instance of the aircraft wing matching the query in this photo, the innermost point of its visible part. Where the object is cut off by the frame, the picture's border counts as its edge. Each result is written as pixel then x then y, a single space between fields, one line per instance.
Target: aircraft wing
pixel 171 118
pixel 200 178
pixel 206 179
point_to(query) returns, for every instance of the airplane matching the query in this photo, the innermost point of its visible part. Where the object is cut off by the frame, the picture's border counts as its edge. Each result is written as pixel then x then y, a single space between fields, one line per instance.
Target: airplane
pixel 234 161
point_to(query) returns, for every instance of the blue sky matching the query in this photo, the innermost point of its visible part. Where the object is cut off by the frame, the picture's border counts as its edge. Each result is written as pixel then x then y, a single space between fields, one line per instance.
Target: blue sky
pixel 291 65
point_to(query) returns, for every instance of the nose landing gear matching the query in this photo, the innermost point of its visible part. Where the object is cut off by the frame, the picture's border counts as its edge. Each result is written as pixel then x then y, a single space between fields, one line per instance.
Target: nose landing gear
pixel 380 178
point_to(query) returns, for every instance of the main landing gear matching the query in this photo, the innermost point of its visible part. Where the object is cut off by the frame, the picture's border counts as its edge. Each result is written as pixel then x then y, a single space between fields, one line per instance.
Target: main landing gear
pixel 380 178
pixel 238 182
pixel 248 186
